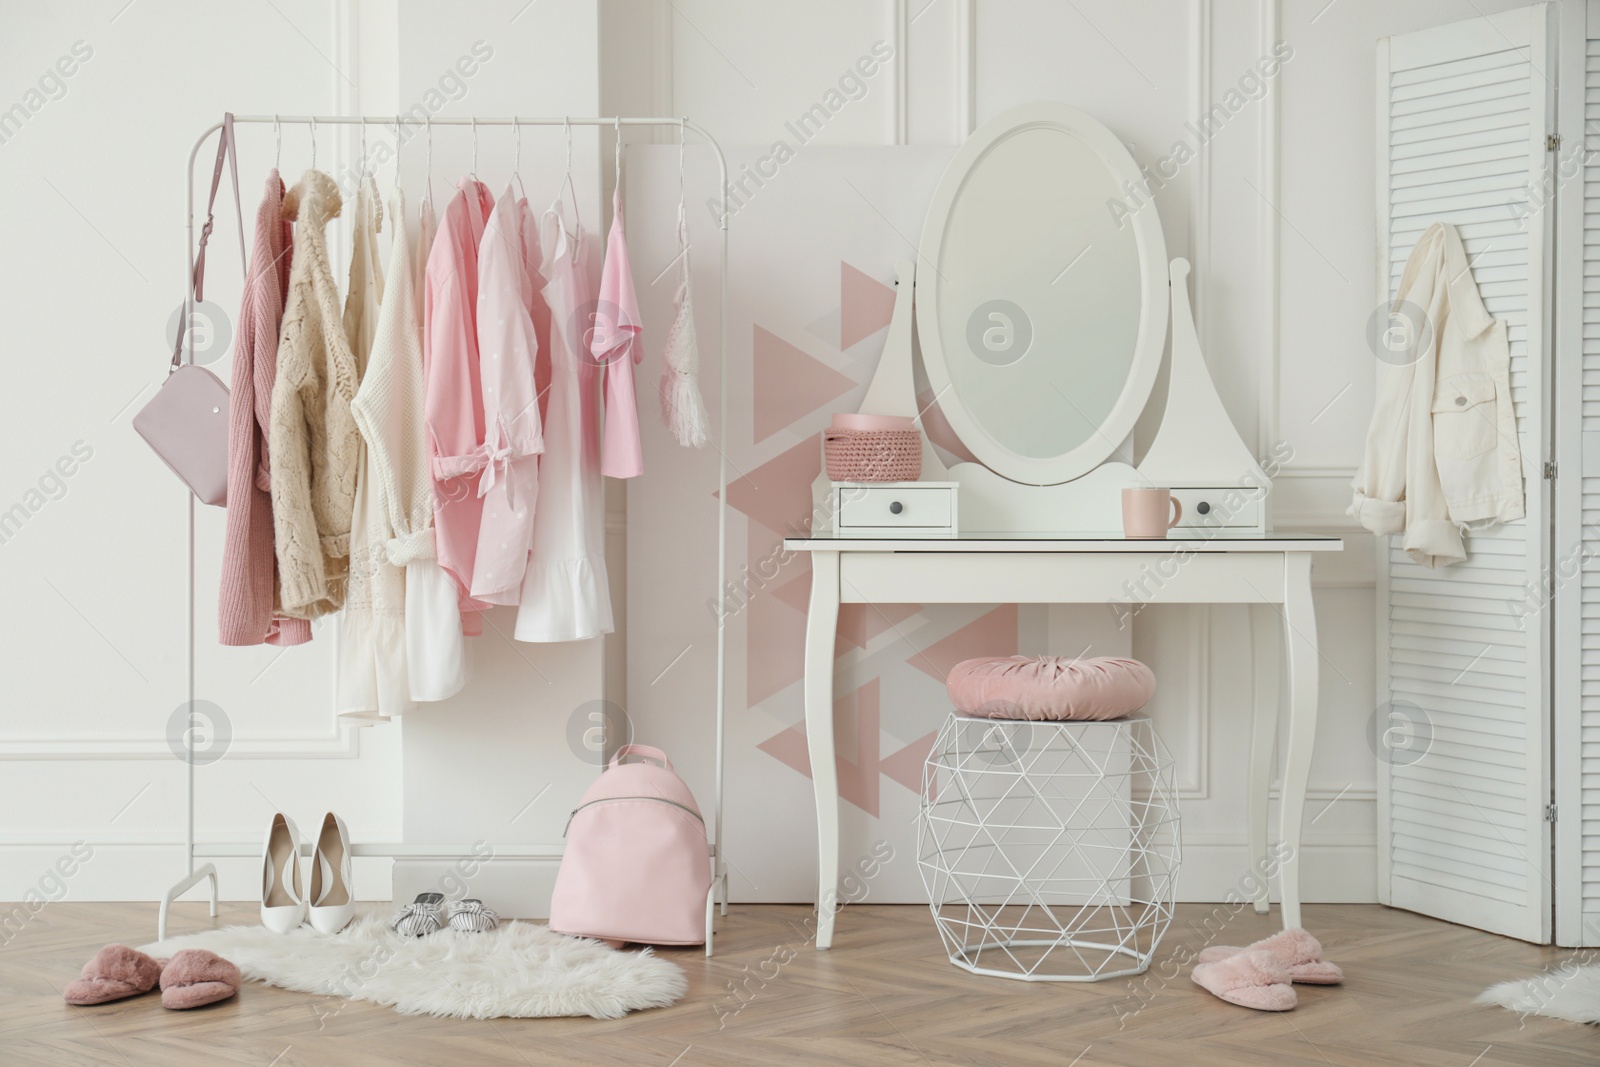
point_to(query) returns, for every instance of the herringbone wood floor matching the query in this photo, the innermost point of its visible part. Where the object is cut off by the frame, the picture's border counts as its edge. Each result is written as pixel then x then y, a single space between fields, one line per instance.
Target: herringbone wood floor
pixel 883 995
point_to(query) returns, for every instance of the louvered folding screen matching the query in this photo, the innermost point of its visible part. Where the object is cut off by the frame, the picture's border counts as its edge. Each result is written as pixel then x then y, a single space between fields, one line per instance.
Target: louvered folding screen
pixel 1462 115
pixel 1575 579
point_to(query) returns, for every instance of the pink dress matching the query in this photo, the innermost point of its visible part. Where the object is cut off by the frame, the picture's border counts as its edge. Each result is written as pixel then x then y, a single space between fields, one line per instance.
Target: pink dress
pixel 565 593
pixel 453 399
pixel 507 348
pixel 614 344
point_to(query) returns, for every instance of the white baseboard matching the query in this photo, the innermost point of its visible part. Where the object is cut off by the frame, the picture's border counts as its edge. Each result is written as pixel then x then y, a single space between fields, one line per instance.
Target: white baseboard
pixel 1337 869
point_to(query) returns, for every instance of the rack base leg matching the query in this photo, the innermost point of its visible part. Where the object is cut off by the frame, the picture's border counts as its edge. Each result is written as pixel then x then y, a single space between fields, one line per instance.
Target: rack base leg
pixel 207 871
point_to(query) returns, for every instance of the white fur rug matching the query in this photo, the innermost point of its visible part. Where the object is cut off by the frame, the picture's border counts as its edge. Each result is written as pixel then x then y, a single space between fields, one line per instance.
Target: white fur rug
pixel 1567 992
pixel 519 970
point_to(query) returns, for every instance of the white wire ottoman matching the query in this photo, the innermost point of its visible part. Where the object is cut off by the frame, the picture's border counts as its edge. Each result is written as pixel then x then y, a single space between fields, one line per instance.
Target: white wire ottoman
pixel 1049 850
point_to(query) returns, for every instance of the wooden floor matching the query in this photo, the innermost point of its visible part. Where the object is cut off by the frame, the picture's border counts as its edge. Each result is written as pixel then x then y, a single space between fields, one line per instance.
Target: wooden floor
pixel 884 995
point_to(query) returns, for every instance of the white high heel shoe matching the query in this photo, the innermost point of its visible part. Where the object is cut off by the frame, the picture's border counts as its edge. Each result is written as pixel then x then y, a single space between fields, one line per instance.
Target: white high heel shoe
pixel 333 898
pixel 282 907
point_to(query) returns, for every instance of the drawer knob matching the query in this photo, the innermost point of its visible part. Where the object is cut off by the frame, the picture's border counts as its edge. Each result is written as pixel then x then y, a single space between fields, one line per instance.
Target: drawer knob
pixel 896 508
pixel 1203 508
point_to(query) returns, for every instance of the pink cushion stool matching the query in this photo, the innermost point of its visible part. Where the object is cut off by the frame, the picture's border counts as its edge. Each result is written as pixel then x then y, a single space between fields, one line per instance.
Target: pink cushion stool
pixel 1050 688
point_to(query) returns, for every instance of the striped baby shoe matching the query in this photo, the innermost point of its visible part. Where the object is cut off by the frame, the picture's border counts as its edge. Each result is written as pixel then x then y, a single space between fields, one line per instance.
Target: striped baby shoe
pixel 470 915
pixel 421 917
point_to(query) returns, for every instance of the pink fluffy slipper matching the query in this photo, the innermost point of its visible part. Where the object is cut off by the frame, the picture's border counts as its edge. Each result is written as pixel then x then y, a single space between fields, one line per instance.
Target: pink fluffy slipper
pixel 116 972
pixel 1298 952
pixel 1250 980
pixel 196 977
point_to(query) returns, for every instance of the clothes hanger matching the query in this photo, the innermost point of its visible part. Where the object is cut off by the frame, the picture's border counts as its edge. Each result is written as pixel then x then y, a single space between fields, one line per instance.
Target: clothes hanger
pixel 616 181
pixel 568 183
pixel 427 190
pixel 313 142
pixel 277 133
pixel 474 172
pixel 516 166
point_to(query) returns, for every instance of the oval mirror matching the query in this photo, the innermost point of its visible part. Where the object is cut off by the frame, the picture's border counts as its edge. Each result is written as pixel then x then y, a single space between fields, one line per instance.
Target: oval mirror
pixel 1042 294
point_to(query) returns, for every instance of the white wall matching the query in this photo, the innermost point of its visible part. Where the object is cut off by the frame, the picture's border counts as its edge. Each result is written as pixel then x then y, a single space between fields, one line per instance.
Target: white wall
pixel 94 643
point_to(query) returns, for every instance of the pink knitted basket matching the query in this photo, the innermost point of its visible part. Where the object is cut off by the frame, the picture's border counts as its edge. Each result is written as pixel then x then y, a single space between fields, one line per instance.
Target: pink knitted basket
pixel 873 455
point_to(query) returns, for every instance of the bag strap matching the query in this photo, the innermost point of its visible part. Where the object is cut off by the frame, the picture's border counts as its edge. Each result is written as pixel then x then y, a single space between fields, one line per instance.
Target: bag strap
pixel 226 150
pixel 641 750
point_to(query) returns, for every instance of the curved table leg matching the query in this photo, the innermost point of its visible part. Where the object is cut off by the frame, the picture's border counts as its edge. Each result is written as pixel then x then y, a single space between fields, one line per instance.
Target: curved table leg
pixel 822 621
pixel 1263 745
pixel 1300 644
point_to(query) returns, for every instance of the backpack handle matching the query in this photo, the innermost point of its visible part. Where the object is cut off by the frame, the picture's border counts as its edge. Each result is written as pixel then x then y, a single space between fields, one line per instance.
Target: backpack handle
pixel 641 750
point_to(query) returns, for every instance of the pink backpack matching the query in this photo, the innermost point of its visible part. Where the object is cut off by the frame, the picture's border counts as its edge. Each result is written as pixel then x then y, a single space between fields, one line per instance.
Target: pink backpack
pixel 637 865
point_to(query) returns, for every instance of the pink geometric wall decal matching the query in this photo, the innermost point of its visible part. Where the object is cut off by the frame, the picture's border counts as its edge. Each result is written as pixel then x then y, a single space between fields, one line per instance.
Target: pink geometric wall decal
pixel 866 305
pixel 860 623
pixel 776 630
pixel 991 634
pixel 777 494
pixel 858 778
pixel 790 384
pixel 906 765
pixel 939 430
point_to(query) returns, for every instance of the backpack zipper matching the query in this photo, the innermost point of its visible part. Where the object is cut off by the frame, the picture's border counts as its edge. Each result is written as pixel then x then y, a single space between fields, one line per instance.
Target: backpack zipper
pixel 607 800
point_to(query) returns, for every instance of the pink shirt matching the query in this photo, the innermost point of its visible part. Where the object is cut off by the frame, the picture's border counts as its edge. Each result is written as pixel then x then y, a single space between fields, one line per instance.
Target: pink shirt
pixel 614 344
pixel 453 393
pixel 507 349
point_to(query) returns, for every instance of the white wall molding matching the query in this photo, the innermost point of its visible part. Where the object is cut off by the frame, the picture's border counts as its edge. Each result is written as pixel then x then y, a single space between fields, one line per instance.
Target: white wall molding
pixel 1268 181
pixel 342 743
pixel 1200 210
pixel 900 30
pixel 966 68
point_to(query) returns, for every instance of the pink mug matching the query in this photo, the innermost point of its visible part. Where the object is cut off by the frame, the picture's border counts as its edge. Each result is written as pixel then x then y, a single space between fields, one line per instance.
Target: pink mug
pixel 1149 513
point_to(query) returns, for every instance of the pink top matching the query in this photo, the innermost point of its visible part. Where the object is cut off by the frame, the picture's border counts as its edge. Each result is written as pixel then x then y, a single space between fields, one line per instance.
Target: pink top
pixel 453 393
pixel 507 348
pixel 245 613
pixel 612 342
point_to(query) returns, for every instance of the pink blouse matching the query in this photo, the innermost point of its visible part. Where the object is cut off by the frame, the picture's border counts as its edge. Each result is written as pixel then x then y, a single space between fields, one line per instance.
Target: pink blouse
pixel 614 344
pixel 453 393
pixel 507 349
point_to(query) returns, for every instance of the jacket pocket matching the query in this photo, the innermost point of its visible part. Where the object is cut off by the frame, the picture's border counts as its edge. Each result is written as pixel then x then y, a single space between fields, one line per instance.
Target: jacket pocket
pixel 1465 417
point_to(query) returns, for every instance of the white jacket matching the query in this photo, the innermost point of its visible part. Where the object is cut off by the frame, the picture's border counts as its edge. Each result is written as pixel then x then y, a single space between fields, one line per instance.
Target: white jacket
pixel 1442 451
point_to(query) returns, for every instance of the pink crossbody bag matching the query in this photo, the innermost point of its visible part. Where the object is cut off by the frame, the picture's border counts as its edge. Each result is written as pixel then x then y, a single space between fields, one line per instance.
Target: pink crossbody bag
pixel 186 422
pixel 637 865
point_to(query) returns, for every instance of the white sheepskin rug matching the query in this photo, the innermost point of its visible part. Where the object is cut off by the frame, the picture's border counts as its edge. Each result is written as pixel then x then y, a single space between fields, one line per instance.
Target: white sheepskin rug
pixel 1567 992
pixel 518 970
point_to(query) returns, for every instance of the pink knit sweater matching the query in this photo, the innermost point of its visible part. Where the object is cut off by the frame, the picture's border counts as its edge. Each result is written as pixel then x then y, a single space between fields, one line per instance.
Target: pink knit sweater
pixel 246 613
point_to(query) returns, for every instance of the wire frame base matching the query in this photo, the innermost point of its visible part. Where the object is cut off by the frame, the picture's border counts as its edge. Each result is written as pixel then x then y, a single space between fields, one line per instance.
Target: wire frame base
pixel 1050 850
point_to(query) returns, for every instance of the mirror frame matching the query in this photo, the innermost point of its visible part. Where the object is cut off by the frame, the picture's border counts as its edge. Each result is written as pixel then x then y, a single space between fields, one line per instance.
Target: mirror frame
pixel 1154 296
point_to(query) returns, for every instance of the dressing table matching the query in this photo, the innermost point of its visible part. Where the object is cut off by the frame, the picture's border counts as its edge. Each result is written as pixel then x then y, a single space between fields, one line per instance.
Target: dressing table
pixel 1041 298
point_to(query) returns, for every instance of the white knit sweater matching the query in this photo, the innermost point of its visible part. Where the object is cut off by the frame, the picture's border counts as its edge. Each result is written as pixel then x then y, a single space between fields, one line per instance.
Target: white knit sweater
pixel 314 437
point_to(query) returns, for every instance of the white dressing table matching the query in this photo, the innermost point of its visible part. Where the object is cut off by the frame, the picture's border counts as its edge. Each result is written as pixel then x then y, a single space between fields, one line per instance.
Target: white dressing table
pixel 1041 301
pixel 1269 570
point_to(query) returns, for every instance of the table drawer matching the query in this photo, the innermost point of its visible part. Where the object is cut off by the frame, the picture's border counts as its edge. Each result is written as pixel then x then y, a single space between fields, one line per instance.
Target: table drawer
pixel 1234 507
pixel 899 506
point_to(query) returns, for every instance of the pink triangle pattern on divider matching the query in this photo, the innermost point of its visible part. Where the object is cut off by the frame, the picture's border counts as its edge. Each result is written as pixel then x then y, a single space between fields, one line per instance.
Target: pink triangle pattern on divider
pixel 858 778
pixel 993 633
pixel 777 494
pixel 860 623
pixel 865 305
pixel 789 384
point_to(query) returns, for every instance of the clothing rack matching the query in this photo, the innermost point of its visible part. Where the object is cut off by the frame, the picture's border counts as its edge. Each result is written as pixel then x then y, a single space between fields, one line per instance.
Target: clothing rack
pixel 208 871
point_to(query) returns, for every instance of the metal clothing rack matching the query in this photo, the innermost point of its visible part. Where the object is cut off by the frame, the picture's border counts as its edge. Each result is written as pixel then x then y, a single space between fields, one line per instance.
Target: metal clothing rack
pixel 208 871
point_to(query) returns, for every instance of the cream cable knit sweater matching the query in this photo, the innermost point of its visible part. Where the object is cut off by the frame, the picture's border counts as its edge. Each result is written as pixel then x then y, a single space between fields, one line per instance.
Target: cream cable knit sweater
pixel 314 437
